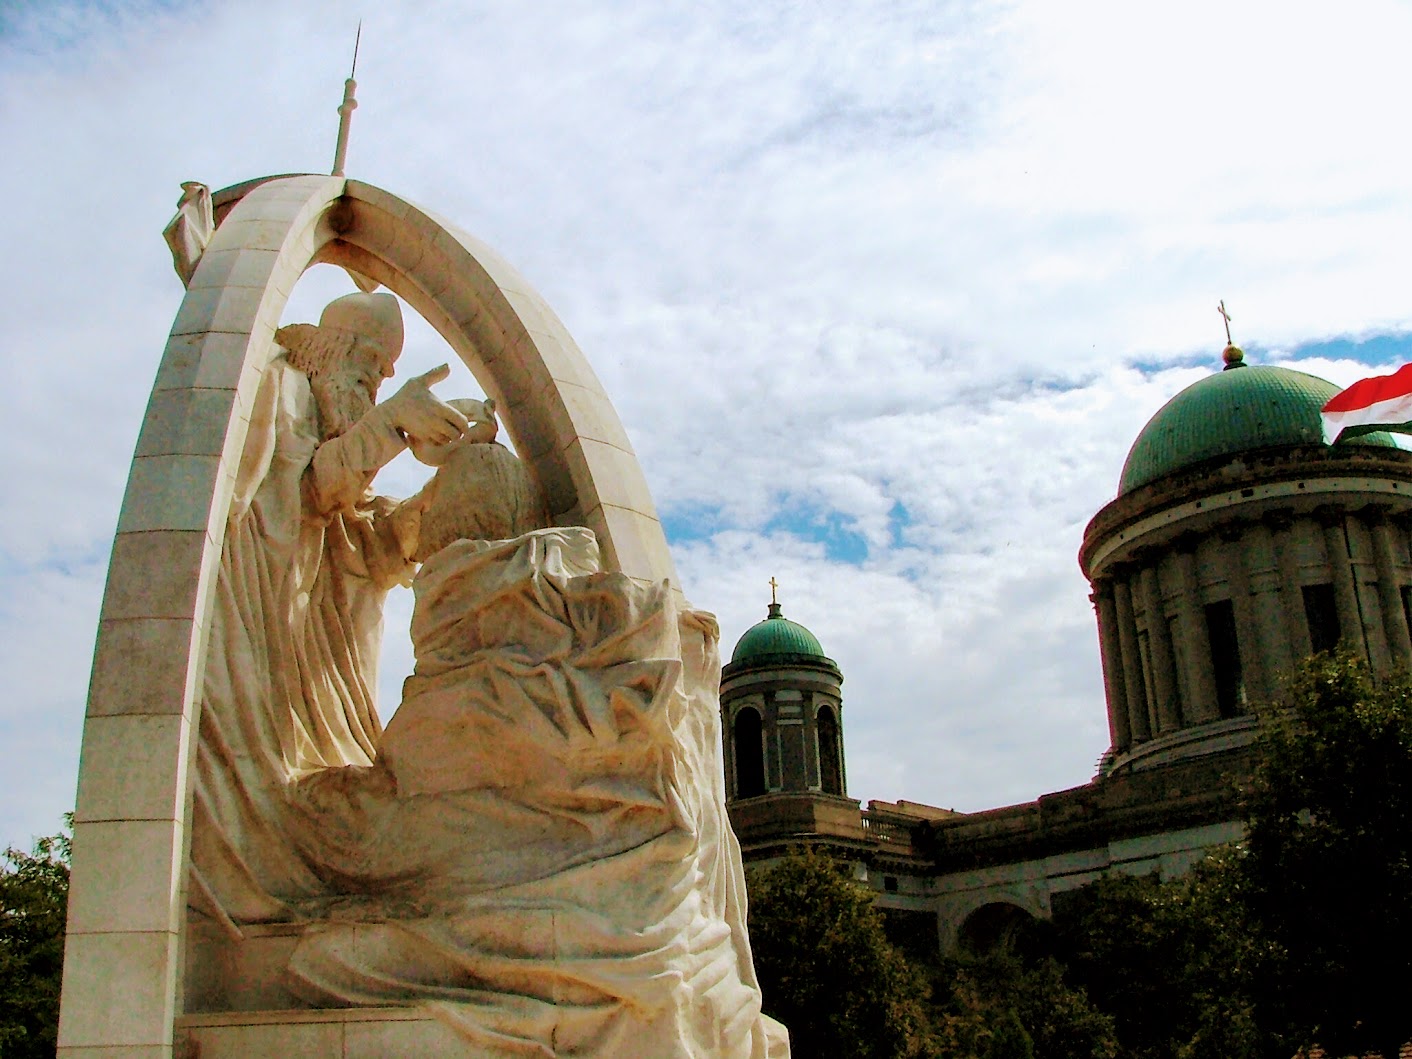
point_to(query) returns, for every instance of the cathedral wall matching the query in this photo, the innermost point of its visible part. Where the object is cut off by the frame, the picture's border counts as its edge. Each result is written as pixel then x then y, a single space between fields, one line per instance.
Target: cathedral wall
pixel 1031 885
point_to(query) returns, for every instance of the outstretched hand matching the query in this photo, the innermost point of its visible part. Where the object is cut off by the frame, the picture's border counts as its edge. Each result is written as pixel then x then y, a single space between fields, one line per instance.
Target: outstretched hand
pixel 419 413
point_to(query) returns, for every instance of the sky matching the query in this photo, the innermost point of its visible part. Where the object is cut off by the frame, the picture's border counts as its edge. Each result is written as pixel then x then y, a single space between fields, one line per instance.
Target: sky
pixel 882 292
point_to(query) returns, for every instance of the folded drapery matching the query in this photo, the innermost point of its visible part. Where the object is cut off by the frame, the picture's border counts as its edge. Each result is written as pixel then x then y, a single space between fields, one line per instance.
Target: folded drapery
pixel 540 851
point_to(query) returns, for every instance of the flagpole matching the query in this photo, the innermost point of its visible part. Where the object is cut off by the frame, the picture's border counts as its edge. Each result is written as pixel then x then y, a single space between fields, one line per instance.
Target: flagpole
pixel 346 108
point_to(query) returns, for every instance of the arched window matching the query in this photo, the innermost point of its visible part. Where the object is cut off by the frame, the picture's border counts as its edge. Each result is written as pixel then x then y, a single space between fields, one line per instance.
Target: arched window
pixel 749 754
pixel 830 758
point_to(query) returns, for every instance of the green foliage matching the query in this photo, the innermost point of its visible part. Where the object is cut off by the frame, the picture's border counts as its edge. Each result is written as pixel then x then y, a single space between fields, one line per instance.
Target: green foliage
pixel 1009 1039
pixel 33 904
pixel 1173 962
pixel 826 968
pixel 1004 1004
pixel 829 974
pixel 1329 870
pixel 1303 933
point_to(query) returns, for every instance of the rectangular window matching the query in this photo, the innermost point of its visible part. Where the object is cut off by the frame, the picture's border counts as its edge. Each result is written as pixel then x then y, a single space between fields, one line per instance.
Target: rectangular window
pixel 1321 612
pixel 1179 688
pixel 1407 605
pixel 1148 686
pixel 1225 657
pixel 1137 711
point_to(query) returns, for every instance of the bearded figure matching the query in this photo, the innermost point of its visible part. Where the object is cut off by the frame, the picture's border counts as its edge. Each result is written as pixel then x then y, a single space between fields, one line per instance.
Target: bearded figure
pixel 308 558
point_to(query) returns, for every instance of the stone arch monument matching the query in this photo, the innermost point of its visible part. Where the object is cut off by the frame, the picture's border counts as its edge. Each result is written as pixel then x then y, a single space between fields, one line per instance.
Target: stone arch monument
pixel 376 952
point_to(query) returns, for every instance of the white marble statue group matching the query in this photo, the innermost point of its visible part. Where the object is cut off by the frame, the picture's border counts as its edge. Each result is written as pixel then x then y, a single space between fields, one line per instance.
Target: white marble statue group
pixel 528 847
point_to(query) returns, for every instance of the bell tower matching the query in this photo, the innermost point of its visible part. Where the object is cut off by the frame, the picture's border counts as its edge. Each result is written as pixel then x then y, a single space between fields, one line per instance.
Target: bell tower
pixel 782 713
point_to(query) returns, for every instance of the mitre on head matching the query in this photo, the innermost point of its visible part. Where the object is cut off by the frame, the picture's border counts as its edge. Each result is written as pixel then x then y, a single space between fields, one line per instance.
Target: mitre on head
pixel 375 316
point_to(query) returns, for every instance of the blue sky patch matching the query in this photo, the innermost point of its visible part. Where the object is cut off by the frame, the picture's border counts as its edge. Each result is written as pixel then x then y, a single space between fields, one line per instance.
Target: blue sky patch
pixel 1375 349
pixel 830 528
pixel 1371 349
pixel 690 522
pixel 899 520
pixel 687 523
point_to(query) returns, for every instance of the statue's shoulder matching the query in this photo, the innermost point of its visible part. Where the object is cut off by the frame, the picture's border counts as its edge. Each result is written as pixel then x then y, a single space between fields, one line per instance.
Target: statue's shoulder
pixel 284 403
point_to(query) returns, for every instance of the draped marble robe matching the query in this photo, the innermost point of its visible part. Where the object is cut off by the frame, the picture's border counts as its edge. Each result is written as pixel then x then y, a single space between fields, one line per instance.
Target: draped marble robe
pixel 540 855
pixel 291 667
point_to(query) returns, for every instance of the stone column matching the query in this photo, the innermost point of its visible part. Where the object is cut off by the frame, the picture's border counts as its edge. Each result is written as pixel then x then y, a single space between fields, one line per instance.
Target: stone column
pixel 1119 730
pixel 1139 727
pixel 1399 641
pixel 1169 717
pixel 1254 666
pixel 1200 680
pixel 1296 629
pixel 1350 615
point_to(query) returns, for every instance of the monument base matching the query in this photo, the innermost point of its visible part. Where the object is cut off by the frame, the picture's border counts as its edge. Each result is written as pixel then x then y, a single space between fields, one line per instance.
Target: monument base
pixel 381 1033
pixel 340 1033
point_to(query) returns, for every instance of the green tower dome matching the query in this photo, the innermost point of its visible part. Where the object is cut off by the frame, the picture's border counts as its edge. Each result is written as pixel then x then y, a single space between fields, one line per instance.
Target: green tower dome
pixel 776 635
pixel 1237 410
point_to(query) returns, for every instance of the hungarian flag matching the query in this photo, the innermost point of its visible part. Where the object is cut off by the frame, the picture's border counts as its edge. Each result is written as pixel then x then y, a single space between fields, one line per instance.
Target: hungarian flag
pixel 1383 402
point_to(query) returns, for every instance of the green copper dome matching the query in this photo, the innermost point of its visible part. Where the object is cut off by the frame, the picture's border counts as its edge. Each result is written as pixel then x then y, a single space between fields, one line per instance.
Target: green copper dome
pixel 776 635
pixel 1237 410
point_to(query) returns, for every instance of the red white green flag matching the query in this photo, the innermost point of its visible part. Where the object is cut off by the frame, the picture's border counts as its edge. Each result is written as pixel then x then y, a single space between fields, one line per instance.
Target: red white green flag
pixel 1382 401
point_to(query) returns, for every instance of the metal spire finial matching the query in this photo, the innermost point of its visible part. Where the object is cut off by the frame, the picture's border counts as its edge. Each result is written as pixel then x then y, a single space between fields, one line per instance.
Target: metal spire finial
pixel 1233 355
pixel 346 108
pixel 774 611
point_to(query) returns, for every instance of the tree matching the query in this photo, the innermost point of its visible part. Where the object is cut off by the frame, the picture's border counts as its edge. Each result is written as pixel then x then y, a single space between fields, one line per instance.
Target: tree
pixel 827 970
pixel 1173 962
pixel 1300 935
pixel 33 904
pixel 1016 1002
pixel 1330 860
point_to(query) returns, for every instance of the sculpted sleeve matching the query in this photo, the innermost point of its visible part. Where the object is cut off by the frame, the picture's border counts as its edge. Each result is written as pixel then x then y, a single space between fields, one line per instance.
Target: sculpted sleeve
pixel 343 467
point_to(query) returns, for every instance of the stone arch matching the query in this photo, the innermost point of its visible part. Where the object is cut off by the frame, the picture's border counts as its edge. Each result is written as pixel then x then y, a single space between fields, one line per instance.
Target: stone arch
pixel 120 973
pixel 992 926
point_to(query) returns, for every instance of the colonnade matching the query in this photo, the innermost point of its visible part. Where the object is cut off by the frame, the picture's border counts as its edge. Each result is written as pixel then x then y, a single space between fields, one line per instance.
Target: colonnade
pixel 1196 627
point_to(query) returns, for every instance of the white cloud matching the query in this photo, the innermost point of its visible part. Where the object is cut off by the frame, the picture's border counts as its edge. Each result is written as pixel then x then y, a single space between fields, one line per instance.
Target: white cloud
pixel 921 271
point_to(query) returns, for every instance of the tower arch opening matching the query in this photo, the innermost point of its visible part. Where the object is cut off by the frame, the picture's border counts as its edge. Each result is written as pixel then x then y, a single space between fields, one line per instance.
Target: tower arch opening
pixel 747 732
pixel 830 750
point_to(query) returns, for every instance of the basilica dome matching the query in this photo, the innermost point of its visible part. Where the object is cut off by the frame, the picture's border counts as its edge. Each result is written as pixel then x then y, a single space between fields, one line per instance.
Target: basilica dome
pixel 1239 544
pixel 776 636
pixel 1237 410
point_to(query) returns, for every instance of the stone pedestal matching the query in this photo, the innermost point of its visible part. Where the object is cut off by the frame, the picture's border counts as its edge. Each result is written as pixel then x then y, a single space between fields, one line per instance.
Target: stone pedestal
pixel 344 1033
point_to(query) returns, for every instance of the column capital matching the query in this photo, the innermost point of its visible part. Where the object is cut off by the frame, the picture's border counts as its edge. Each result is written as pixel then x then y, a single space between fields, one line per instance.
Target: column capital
pixel 1233 531
pixel 1328 515
pixel 1187 542
pixel 1375 514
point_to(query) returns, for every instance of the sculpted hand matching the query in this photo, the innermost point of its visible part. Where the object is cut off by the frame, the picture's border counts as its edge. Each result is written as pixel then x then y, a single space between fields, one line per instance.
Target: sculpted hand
pixel 417 412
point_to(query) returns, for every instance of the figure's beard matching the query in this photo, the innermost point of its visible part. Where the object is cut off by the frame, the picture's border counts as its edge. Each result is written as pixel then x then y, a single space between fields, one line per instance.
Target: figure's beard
pixel 342 401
